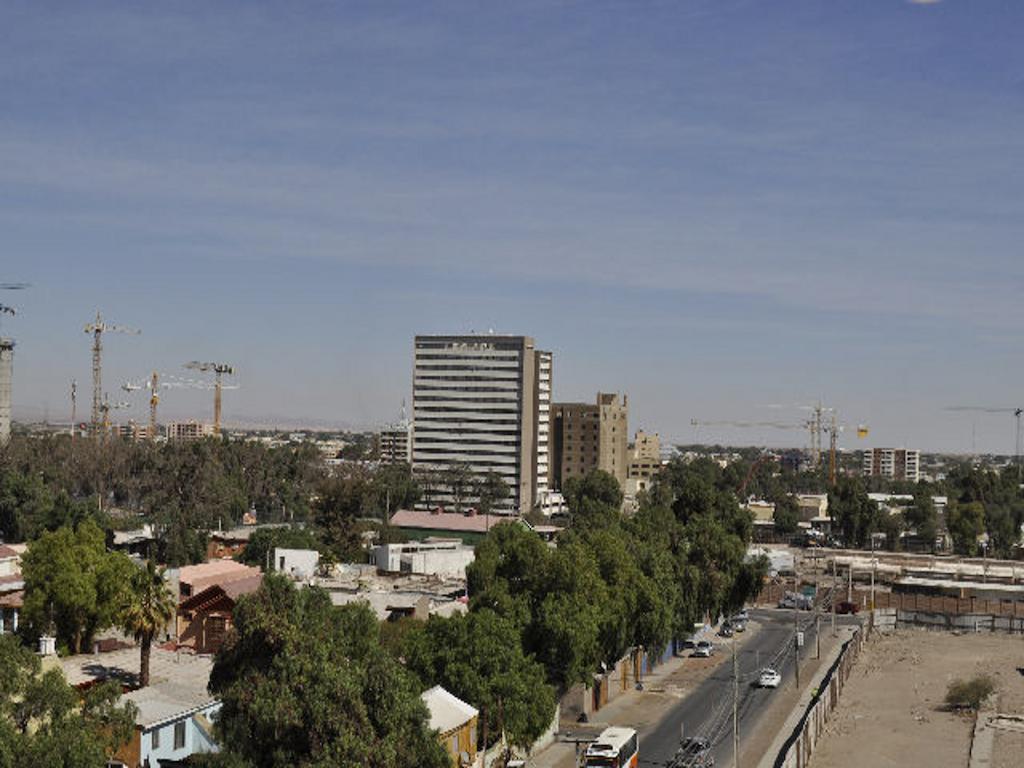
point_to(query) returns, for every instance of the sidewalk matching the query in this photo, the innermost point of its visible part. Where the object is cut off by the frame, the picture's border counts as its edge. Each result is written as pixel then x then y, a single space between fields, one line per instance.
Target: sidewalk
pixel 663 686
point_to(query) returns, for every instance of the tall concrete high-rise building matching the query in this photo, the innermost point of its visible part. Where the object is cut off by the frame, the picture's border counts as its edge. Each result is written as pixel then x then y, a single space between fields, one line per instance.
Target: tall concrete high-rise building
pixel 544 372
pixel 6 373
pixel 478 401
pixel 588 436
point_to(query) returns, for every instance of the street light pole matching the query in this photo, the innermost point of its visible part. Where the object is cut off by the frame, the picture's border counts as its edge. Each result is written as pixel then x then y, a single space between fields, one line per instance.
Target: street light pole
pixel 796 642
pixel 735 706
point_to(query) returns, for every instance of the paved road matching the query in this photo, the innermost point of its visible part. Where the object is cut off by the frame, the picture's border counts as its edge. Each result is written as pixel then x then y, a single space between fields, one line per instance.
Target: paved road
pixel 707 711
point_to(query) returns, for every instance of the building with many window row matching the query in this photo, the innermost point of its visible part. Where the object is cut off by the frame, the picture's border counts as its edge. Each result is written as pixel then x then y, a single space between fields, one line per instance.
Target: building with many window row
pixel 589 436
pixel 894 463
pixel 477 403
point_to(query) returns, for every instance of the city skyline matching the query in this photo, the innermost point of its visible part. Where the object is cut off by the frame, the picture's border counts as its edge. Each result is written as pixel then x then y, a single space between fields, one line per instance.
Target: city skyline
pixel 711 207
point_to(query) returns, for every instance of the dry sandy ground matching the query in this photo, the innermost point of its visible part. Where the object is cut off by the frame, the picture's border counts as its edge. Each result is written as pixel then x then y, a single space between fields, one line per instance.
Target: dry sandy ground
pixel 890 712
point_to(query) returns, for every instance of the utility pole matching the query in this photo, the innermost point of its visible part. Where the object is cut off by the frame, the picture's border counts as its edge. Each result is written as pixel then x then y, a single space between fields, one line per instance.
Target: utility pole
pixel 871 618
pixel 817 631
pixel 835 594
pixel 735 706
pixel 849 584
pixel 74 408
pixel 154 401
pixel 796 639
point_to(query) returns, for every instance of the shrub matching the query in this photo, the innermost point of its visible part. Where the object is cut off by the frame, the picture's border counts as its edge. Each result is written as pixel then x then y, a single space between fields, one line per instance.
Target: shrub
pixel 969 694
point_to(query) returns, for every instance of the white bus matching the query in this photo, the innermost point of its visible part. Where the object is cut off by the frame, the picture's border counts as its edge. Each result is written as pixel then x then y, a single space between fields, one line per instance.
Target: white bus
pixel 614 748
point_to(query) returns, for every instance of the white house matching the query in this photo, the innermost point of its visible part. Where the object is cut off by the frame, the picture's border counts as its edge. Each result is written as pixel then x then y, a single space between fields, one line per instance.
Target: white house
pixel 434 557
pixel 300 564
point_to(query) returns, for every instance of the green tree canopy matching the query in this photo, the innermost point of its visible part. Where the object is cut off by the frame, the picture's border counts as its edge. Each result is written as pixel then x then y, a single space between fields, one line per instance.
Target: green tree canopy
pixel 594 498
pixel 966 522
pixel 492 492
pixel 73 586
pixel 921 518
pixel 44 722
pixel 856 514
pixel 787 514
pixel 304 683
pixel 478 657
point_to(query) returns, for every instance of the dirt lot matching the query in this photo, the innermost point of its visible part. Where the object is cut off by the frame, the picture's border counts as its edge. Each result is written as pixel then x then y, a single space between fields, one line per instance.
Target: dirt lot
pixel 891 710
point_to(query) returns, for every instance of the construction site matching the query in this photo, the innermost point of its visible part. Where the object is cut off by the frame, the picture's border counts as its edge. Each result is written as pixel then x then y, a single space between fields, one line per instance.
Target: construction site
pixel 100 424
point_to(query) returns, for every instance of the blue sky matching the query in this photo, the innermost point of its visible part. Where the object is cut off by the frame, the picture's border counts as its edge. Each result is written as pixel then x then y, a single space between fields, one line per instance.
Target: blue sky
pixel 710 205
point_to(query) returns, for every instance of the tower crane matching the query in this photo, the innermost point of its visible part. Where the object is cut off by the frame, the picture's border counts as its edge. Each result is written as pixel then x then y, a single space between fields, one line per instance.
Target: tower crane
pixel 815 426
pixel 97 328
pixel 1017 413
pixel 106 407
pixel 153 385
pixel 219 369
pixel 755 425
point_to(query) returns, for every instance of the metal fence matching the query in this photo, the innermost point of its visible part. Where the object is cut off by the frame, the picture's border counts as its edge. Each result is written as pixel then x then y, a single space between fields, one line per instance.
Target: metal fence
pixel 915 603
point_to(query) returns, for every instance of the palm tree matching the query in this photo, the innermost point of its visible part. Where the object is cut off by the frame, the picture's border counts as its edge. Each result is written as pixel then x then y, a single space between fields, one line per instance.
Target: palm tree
pixel 150 606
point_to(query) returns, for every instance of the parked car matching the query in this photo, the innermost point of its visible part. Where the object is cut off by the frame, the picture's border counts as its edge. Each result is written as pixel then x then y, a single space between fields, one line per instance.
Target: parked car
pixel 739 626
pixel 769 678
pixel 694 752
pixel 726 629
pixel 793 600
pixel 704 649
pixel 846 607
pixel 741 615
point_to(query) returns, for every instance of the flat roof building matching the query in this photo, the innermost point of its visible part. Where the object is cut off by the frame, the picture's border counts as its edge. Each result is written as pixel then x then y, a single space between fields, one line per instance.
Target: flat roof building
pixel 894 463
pixel 478 401
pixel 589 436
pixel 395 443
pixel 188 430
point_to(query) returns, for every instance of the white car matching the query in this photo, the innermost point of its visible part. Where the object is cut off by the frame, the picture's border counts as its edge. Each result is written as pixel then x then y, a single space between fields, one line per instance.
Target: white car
pixel 703 649
pixel 769 678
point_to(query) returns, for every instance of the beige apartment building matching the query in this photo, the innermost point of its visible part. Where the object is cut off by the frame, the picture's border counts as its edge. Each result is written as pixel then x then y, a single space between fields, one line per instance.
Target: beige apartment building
pixel 894 463
pixel 588 436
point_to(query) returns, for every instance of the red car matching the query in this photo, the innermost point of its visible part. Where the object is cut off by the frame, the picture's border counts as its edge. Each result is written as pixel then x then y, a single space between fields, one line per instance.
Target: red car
pixel 846 607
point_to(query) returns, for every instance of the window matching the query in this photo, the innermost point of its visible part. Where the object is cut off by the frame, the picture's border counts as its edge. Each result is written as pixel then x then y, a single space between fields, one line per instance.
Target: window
pixel 179 735
pixel 154 739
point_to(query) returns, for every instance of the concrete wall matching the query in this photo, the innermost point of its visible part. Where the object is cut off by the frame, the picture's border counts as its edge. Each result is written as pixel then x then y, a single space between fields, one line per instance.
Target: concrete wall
pixel 966 622
pixel 492 757
pixel 438 562
pixel 299 563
